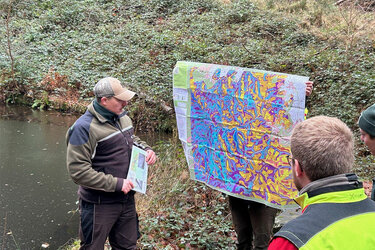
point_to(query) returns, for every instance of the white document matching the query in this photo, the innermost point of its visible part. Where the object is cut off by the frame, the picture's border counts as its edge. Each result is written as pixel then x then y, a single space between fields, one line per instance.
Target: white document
pixel 138 170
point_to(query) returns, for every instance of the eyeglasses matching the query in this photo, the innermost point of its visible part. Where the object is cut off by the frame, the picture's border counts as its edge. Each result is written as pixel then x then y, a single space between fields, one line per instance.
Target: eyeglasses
pixel 291 161
pixel 113 97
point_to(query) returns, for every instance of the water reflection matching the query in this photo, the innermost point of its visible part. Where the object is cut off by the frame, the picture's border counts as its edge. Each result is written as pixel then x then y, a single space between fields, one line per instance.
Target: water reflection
pixel 36 193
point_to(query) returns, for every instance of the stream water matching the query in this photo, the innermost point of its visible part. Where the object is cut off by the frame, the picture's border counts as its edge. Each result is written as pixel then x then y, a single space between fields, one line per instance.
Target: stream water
pixel 37 197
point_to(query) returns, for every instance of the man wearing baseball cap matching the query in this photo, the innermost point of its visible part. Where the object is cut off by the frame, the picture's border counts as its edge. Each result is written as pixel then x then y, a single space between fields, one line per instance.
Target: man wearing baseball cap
pixel 366 125
pixel 98 156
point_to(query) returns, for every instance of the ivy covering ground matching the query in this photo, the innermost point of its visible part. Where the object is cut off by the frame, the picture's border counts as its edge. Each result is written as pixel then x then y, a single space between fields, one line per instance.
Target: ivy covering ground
pixel 140 41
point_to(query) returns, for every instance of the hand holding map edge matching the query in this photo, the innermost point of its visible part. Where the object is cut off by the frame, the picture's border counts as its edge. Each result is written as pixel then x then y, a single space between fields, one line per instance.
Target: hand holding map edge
pixel 151 157
pixel 309 87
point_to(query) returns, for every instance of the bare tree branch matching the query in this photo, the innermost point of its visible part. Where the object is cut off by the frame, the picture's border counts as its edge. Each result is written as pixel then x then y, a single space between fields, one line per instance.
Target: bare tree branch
pixel 14 83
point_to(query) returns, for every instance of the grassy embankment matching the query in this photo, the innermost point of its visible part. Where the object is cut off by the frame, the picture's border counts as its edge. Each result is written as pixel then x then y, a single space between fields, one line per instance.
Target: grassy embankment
pixel 54 52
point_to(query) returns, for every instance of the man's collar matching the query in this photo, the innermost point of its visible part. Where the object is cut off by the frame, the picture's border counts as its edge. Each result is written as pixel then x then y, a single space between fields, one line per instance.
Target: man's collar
pixel 323 189
pixel 340 179
pixel 107 114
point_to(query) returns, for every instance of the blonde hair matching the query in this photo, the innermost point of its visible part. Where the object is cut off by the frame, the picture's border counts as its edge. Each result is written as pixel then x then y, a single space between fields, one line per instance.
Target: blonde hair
pixel 324 146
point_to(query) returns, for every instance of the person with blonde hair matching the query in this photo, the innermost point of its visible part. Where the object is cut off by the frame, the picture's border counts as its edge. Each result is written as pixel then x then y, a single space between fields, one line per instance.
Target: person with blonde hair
pixel 332 199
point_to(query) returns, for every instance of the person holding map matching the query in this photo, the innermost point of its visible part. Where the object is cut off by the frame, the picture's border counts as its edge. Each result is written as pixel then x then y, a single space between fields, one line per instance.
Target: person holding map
pixel 99 146
pixel 336 213
pixel 366 125
pixel 253 221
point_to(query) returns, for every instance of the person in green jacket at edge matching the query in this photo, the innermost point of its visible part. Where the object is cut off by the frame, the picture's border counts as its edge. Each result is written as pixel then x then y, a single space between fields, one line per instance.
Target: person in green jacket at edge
pixel 99 147
pixel 366 125
pixel 336 212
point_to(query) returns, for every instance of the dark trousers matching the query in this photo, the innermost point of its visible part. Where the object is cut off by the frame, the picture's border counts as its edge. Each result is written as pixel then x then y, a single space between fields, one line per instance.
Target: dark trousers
pixel 117 221
pixel 252 220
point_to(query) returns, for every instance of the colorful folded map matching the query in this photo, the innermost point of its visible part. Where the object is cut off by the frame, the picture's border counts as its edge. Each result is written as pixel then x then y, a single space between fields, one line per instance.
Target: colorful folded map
pixel 235 125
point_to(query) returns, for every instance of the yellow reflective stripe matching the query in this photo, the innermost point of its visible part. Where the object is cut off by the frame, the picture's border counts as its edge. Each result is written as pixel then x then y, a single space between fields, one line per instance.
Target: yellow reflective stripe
pixel 332 197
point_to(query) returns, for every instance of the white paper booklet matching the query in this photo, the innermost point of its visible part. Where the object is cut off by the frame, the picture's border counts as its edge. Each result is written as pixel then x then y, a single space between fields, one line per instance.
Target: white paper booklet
pixel 138 170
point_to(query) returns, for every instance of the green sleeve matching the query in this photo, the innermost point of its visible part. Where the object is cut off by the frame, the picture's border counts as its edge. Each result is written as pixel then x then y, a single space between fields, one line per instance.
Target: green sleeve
pixel 79 166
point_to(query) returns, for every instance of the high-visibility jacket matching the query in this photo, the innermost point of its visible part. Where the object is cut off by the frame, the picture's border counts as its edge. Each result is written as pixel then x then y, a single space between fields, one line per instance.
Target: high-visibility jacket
pixel 335 216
